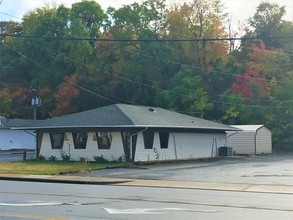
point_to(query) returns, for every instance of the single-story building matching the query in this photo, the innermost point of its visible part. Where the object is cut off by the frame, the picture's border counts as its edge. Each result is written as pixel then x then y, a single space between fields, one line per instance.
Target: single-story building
pixel 16 139
pixel 130 133
pixel 250 140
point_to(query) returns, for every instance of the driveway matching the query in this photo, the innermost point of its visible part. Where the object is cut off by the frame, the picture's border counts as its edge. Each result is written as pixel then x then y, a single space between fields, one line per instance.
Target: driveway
pixel 269 169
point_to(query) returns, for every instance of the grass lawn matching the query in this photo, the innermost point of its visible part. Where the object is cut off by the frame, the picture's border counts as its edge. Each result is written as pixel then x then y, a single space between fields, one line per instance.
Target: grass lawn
pixel 33 167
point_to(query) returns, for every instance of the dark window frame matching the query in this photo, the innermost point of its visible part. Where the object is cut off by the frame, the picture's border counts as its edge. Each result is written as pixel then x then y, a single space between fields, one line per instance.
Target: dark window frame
pixel 148 139
pixel 164 140
pixel 55 145
pixel 80 139
pixel 104 140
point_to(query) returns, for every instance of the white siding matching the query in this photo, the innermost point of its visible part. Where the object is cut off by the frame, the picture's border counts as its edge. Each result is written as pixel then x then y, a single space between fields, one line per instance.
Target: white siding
pixel 16 139
pixel 91 150
pixel 181 146
pixel 197 145
pixel 263 141
pixel 143 154
pixel 241 142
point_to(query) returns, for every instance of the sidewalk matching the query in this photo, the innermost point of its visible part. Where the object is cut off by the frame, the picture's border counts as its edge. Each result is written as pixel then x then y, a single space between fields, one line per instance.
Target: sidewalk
pixel 239 187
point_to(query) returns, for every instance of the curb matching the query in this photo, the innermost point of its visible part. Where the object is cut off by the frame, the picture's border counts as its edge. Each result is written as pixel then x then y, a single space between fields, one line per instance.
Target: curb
pixel 236 187
pixel 64 179
pixel 219 186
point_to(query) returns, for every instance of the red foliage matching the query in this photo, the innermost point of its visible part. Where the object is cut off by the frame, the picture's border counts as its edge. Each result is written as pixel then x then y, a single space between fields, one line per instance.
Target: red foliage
pixel 19 95
pixel 243 82
pixel 67 91
pixel 253 73
pixel 258 52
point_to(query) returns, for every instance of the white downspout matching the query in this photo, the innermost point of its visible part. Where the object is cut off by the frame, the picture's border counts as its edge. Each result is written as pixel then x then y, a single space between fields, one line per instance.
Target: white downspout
pixel 175 147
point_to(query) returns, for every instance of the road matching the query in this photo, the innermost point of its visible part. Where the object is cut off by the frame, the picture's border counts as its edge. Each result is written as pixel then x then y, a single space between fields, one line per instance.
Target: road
pixel 262 190
pixel 30 200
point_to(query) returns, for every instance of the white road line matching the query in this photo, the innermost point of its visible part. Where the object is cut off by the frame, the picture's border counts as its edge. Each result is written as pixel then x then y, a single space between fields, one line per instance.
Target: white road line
pixel 152 210
pixel 37 204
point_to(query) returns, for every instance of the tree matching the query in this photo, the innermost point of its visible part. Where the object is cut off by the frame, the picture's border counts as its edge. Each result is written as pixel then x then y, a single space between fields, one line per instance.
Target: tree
pixel 199 19
pixel 67 91
pixel 185 94
pixel 267 75
pixel 5 107
pixel 131 71
pixel 268 22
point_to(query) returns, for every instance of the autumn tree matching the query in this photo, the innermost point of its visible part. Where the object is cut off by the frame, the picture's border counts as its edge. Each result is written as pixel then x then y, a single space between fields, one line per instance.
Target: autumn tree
pixel 267 73
pixel 67 91
pixel 5 107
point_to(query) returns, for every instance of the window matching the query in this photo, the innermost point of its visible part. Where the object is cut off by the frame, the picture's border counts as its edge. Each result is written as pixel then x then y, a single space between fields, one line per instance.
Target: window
pixel 57 140
pixel 148 139
pixel 164 140
pixel 79 139
pixel 104 140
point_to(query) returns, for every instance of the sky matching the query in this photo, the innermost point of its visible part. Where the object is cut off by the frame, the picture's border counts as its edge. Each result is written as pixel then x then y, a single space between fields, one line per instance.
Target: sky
pixel 239 10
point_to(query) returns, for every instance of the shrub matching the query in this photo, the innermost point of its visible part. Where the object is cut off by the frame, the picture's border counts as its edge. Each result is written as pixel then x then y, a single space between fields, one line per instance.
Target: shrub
pixel 52 158
pixel 100 159
pixel 41 157
pixel 65 156
pixel 84 160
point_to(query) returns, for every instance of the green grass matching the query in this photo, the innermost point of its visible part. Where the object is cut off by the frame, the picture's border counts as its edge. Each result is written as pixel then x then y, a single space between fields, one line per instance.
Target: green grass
pixel 32 167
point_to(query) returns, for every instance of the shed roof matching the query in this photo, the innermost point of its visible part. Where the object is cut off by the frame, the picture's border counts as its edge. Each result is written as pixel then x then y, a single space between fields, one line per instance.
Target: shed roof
pixel 251 128
pixel 127 116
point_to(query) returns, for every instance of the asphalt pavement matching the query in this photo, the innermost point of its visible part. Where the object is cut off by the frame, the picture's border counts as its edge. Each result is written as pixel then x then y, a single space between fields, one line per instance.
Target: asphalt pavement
pixel 270 174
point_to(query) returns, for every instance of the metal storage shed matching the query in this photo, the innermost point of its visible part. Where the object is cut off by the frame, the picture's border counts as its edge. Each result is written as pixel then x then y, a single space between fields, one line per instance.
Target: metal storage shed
pixel 252 139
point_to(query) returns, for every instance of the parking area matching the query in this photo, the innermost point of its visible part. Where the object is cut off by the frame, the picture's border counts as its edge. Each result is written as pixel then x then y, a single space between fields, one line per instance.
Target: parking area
pixel 268 169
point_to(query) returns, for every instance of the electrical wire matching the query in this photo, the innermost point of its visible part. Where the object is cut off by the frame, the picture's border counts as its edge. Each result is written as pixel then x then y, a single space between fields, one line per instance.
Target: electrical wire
pixel 211 100
pixel 148 40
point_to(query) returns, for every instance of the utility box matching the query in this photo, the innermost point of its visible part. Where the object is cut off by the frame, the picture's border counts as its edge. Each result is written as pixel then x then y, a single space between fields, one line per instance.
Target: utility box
pixel 225 151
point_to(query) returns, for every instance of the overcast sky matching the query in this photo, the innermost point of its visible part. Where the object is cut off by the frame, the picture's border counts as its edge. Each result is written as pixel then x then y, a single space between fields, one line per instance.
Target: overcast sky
pixel 240 10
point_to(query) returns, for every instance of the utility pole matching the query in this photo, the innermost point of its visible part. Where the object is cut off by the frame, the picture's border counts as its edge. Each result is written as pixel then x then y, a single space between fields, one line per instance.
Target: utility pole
pixel 36 101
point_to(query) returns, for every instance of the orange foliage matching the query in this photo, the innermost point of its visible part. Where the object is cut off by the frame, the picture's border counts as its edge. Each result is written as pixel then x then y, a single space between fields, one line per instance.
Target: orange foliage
pixel 19 94
pixel 259 52
pixel 67 91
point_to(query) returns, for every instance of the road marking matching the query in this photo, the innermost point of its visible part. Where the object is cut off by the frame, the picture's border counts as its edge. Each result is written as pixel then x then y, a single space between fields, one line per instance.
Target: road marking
pixel 29 217
pixel 37 204
pixel 152 210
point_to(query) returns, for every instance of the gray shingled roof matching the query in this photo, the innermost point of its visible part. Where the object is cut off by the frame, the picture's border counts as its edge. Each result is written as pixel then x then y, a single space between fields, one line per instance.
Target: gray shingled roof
pixel 127 116
pixel 9 123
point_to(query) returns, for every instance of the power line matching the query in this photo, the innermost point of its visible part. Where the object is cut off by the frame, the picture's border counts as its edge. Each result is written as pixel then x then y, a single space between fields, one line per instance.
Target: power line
pixel 140 83
pixel 48 70
pixel 213 71
pixel 148 40
pixel 153 87
pixel 1 12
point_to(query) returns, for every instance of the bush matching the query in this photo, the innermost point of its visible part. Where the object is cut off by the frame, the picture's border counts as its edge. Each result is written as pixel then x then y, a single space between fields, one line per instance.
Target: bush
pixel 41 157
pixel 65 156
pixel 84 160
pixel 100 159
pixel 52 158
